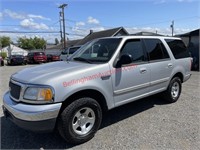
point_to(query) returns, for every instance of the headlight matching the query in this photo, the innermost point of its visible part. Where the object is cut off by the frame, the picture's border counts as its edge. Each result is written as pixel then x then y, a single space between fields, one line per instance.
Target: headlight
pixel 39 94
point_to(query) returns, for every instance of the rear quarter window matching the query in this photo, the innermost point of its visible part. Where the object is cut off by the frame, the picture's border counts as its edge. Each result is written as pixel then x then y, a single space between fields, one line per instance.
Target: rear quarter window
pixel 178 48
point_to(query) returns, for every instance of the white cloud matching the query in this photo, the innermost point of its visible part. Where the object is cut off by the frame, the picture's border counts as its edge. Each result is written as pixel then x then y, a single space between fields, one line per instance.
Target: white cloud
pixel 160 1
pixel 163 31
pixel 38 17
pixel 96 29
pixel 80 23
pixel 14 15
pixel 30 24
pixel 92 20
pixel 57 4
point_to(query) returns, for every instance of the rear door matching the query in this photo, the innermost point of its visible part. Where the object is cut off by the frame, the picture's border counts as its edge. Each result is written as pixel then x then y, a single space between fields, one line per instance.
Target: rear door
pixel 160 64
pixel 131 82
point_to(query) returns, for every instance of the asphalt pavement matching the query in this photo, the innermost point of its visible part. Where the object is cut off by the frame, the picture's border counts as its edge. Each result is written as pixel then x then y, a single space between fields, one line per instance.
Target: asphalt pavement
pixel 146 124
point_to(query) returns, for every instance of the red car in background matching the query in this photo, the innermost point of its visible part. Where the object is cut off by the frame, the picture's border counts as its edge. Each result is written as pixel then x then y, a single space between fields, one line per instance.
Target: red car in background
pixel 36 57
pixel 53 57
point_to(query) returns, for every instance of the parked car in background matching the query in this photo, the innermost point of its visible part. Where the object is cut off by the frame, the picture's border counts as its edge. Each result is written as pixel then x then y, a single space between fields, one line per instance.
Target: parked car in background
pixel 36 57
pixel 16 60
pixel 52 57
pixel 1 61
pixel 67 52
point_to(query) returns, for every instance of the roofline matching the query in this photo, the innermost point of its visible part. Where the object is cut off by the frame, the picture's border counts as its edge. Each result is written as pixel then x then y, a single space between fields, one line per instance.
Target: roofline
pixel 139 36
pixel 119 30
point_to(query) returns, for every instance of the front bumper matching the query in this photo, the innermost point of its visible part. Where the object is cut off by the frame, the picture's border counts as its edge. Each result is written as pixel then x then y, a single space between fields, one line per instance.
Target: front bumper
pixel 31 117
pixel 40 60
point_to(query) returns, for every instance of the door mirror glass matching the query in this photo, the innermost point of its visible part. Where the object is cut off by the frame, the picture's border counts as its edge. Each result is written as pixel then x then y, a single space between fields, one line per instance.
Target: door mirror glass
pixel 125 59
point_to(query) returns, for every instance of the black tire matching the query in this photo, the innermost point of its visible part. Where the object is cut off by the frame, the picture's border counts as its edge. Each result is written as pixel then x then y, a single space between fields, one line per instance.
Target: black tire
pixel 68 118
pixel 25 63
pixel 2 63
pixel 173 91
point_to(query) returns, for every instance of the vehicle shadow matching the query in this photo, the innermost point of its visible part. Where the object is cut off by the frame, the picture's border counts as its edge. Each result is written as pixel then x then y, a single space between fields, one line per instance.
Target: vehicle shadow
pixel 13 137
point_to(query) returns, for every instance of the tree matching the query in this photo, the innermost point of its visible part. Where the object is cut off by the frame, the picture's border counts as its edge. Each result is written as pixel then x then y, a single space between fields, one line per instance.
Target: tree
pixel 39 43
pixel 32 43
pixel 4 41
pixel 56 41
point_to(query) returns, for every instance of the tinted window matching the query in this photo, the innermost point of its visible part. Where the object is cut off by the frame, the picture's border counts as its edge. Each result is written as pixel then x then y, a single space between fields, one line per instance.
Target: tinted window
pixel 178 48
pixel 134 48
pixel 155 49
pixel 30 54
pixel 164 50
pixel 73 49
pixel 39 53
pixel 17 56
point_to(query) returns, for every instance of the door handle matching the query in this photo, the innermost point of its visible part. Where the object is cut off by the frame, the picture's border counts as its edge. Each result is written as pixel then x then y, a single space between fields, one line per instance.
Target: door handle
pixel 143 70
pixel 170 65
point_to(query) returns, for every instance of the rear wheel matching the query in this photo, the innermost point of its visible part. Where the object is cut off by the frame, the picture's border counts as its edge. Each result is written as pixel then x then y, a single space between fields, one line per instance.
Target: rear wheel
pixel 80 120
pixel 174 90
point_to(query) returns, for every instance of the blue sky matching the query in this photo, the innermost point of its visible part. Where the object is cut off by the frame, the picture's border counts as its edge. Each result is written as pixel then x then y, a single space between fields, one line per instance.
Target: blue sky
pixel 81 16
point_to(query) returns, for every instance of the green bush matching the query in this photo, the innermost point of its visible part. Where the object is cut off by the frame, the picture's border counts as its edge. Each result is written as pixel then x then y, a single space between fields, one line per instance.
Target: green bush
pixel 3 54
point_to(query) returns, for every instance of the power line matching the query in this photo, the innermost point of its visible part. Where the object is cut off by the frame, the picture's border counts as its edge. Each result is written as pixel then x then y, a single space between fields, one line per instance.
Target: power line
pixel 28 32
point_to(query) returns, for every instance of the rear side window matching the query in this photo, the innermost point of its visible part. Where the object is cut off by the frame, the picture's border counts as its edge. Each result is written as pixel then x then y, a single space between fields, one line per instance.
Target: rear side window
pixel 178 48
pixel 135 49
pixel 155 49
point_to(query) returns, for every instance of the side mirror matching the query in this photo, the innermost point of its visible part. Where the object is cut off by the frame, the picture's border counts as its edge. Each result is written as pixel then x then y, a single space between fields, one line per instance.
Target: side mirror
pixel 124 59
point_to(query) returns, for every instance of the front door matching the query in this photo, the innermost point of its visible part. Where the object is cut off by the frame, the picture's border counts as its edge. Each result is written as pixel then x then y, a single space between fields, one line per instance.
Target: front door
pixel 132 81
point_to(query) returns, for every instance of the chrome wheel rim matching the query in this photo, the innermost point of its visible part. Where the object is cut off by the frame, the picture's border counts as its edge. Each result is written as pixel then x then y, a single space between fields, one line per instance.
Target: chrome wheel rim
pixel 175 90
pixel 83 121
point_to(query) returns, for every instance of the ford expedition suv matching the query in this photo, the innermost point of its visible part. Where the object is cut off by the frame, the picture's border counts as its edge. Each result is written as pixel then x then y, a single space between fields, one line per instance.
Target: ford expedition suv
pixel 103 74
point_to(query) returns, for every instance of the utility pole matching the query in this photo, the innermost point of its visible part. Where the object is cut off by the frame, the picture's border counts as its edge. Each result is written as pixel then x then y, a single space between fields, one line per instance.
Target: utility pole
pixel 63 19
pixel 60 20
pixel 172 26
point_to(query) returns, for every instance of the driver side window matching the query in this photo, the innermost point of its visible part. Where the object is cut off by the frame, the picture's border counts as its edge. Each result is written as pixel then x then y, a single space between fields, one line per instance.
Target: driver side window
pixel 134 48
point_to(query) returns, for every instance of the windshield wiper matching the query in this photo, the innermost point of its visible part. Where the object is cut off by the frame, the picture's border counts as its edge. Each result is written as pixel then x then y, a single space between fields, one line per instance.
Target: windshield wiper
pixel 82 59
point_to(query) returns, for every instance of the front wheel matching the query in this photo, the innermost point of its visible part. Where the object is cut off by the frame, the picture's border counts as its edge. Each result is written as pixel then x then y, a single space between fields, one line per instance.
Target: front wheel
pixel 174 90
pixel 80 120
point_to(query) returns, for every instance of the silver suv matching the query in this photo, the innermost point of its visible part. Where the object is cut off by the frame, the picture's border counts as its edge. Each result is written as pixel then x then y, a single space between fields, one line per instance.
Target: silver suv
pixel 103 74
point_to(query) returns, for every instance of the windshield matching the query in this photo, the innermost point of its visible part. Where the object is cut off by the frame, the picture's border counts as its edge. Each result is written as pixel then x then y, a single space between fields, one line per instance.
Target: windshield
pixel 17 56
pixel 100 50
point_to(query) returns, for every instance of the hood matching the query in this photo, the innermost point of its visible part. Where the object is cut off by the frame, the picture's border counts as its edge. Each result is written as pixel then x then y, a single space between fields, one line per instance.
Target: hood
pixel 48 71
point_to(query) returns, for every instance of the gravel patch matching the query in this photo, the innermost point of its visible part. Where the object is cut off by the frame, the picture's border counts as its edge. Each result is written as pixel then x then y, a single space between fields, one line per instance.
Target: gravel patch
pixel 149 123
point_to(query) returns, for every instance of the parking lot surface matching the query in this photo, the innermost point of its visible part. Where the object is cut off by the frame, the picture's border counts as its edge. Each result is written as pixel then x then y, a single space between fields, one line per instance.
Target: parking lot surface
pixel 149 123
